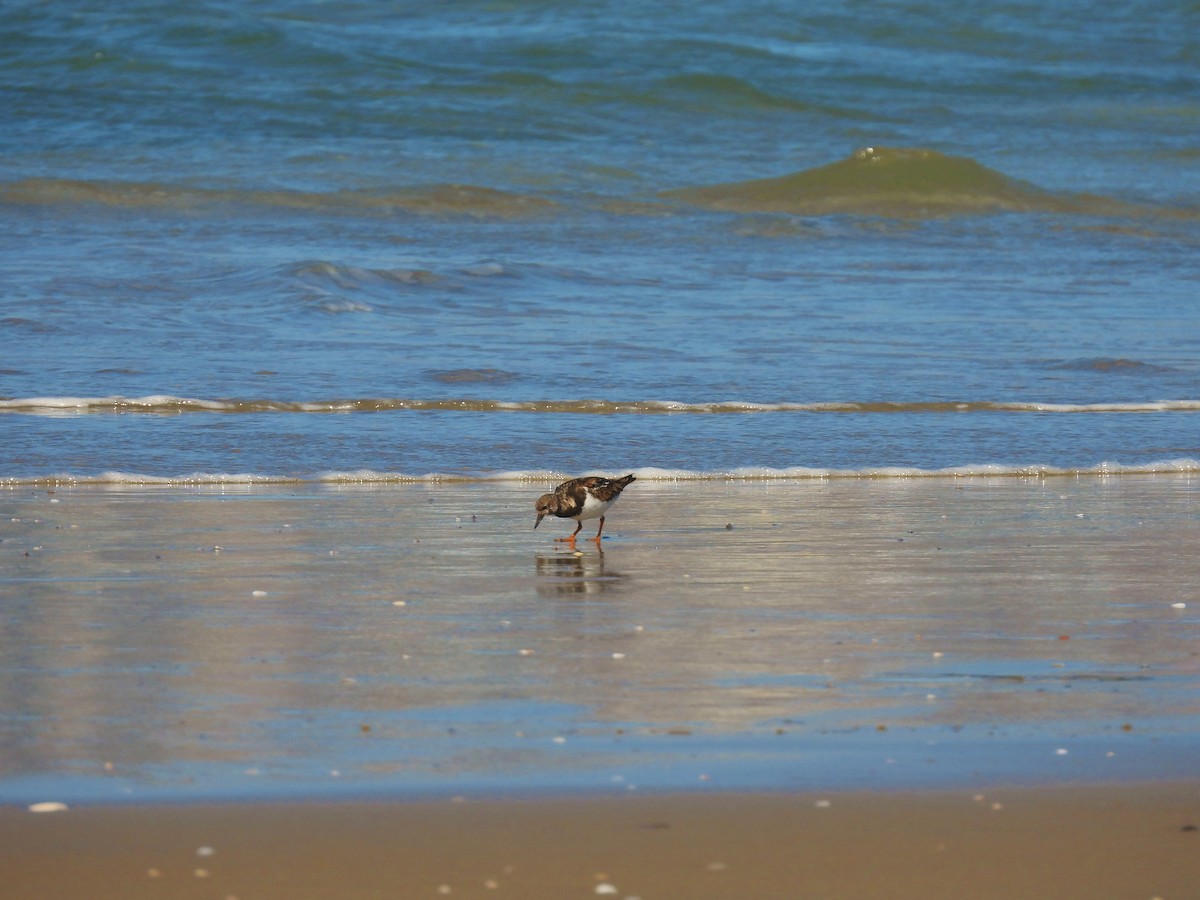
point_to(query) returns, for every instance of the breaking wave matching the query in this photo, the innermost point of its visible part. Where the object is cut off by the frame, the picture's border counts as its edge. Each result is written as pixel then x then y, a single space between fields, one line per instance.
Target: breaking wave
pixel 165 404
pixel 1186 466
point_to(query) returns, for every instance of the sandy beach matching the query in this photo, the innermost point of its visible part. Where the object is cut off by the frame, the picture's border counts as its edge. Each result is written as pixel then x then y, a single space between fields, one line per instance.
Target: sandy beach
pixel 1086 843
pixel 930 687
pixel 236 641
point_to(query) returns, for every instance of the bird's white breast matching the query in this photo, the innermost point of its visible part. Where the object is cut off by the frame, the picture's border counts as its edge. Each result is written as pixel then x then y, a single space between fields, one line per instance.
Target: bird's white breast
pixel 592 508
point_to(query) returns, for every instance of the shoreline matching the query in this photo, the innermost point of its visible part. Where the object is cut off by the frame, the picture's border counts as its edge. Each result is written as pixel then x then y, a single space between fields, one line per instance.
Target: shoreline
pixel 370 478
pixel 1085 841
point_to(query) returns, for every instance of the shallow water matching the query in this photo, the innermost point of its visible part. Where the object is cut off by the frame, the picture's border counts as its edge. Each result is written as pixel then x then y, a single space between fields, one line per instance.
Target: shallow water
pixel 251 641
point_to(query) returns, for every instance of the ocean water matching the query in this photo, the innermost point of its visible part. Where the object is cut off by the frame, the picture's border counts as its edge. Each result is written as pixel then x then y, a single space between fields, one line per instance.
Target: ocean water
pixel 311 241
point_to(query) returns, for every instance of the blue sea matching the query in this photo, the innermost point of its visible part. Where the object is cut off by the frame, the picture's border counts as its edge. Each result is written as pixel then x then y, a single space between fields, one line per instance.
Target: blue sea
pixel 893 309
pixel 311 241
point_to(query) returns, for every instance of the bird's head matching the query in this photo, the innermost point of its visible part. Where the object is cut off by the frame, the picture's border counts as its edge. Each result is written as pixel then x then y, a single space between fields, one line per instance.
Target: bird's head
pixel 545 506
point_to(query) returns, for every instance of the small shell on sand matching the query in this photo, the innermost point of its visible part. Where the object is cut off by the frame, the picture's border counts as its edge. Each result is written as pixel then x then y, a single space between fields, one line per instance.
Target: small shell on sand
pixel 48 807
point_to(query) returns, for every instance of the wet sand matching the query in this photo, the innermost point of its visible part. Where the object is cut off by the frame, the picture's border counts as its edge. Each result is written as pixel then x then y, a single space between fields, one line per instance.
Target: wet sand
pixel 1087 843
pixel 226 642
pixel 301 677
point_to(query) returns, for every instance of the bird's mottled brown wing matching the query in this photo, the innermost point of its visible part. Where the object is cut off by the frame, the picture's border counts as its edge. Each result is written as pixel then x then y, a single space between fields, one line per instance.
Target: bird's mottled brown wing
pixel 604 488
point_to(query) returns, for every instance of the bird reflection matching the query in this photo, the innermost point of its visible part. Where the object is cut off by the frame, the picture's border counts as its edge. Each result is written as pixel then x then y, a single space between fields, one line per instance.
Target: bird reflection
pixel 567 574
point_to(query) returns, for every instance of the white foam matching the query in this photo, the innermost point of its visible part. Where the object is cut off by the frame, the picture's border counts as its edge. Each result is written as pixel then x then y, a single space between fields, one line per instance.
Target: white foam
pixel 1184 466
pixel 115 403
pixel 168 403
pixel 1134 407
pixel 137 478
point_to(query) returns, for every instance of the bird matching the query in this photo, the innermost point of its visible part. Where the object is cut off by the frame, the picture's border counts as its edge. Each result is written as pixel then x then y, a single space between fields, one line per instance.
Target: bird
pixel 581 498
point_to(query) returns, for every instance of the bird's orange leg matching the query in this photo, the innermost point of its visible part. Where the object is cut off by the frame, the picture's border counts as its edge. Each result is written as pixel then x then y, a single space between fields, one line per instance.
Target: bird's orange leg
pixel 598 530
pixel 571 538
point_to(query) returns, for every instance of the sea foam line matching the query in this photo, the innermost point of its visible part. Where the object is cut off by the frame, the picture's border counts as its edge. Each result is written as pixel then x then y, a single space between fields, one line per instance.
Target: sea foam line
pixel 166 404
pixel 1185 466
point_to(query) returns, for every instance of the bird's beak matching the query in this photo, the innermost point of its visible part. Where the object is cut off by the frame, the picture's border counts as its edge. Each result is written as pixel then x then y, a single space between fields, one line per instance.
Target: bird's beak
pixel 539 520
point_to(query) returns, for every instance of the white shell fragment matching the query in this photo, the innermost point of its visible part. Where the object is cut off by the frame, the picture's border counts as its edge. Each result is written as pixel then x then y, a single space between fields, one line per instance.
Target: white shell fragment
pixel 48 807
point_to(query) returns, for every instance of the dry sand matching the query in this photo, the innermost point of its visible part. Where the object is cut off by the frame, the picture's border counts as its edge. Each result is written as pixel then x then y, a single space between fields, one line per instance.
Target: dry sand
pixel 1133 841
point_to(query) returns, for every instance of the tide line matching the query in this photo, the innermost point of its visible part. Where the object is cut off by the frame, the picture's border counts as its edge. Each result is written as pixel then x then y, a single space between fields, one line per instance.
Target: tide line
pixel 166 404
pixel 1183 466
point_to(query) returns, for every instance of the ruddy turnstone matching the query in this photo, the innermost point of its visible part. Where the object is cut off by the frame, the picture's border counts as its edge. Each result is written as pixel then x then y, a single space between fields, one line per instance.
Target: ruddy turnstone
pixel 581 498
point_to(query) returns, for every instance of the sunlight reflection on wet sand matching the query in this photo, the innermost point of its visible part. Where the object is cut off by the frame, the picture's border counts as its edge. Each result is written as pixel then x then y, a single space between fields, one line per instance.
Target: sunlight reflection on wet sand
pixel 425 632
